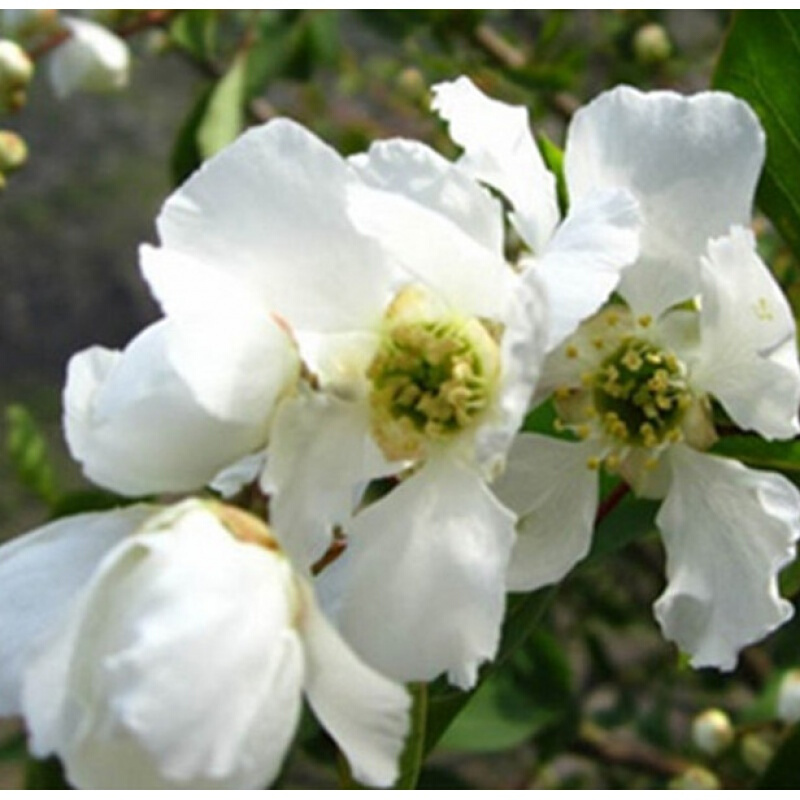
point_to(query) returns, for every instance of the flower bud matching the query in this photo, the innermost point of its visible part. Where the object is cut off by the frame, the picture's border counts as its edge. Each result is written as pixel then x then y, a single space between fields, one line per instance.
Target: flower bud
pixel 93 59
pixel 16 67
pixel 712 731
pixel 13 151
pixel 789 697
pixel 757 752
pixel 695 777
pixel 651 44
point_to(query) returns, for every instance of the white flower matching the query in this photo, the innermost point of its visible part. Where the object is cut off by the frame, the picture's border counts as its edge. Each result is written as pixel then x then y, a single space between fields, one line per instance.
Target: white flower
pixel 170 648
pixel 135 424
pixel 703 319
pixel 92 59
pixel 578 259
pixel 423 348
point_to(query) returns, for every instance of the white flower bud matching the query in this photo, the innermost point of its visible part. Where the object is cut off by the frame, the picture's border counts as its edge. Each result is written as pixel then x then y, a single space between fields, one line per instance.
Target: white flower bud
pixel 712 731
pixel 756 752
pixel 16 67
pixel 651 44
pixel 13 151
pixel 789 697
pixel 695 777
pixel 93 59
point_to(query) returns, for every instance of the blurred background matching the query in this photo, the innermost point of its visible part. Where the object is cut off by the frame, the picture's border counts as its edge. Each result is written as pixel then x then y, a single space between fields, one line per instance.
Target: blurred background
pixel 596 698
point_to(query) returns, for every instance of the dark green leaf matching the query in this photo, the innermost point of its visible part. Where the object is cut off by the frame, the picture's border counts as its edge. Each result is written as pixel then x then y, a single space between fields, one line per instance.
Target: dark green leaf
pixel 761 64
pixel 195 31
pixel 186 156
pixel 45 774
pixel 782 773
pixel 27 449
pixel 224 115
pixel 756 452
pixel 531 693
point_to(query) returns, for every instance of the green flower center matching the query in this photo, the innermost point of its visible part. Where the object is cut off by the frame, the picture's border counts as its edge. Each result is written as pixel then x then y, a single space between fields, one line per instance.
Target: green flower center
pixel 641 394
pixel 430 379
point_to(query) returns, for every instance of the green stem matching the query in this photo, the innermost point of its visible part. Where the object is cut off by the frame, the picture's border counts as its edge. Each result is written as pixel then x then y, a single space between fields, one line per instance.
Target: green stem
pixel 414 753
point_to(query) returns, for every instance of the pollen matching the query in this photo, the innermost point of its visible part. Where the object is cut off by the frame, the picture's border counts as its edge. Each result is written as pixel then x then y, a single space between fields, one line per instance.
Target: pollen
pixel 641 394
pixel 571 351
pixel 432 377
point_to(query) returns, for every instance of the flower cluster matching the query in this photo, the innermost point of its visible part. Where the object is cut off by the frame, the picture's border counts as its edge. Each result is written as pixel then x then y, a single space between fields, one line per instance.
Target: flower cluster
pixel 350 339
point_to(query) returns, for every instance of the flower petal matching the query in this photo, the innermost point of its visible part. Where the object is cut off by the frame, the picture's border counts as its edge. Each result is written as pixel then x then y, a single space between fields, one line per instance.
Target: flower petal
pixel 549 485
pixel 582 264
pixel 41 574
pixel 137 428
pixel 422 582
pixel 692 163
pixel 500 151
pixel 365 713
pixel 270 210
pixel 183 669
pixel 522 357
pixel 748 354
pixel 727 530
pixel 321 457
pixel 430 248
pixel 92 59
pixel 421 174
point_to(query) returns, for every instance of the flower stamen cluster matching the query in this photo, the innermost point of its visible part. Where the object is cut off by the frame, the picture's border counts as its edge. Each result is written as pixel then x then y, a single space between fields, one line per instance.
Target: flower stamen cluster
pixel 431 379
pixel 641 395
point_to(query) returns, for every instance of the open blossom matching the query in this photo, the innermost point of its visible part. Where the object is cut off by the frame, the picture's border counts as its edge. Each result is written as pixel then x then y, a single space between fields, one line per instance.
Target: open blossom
pixel 171 647
pixel 702 321
pixel 421 348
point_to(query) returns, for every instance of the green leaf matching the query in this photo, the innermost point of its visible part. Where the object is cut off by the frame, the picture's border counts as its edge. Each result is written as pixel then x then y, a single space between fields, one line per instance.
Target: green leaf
pixel 27 449
pixel 761 64
pixel 530 694
pixel 756 452
pixel 523 614
pixel 45 774
pixel 195 31
pixel 186 156
pixel 782 773
pixel 553 157
pixel 224 116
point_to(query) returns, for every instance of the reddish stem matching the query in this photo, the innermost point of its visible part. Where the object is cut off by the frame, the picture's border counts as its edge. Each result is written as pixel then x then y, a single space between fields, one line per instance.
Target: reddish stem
pixel 613 499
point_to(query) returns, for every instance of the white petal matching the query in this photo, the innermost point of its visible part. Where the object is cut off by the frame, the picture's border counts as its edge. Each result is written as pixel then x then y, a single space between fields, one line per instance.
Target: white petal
pixel 727 530
pixel 431 249
pixel 549 485
pixel 320 456
pixel 184 668
pixel 137 428
pixel 41 573
pixel 522 357
pixel 365 713
pixel 92 59
pixel 748 354
pixel 583 262
pixel 270 210
pixel 692 163
pixel 423 576
pixel 421 174
pixel 499 150
pixel 233 478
